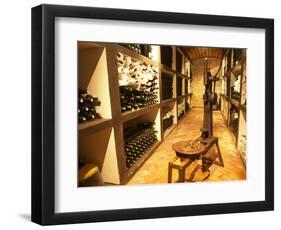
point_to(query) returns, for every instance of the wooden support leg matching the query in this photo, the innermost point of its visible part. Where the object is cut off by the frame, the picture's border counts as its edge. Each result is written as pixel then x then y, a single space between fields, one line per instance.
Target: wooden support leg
pixel 170 173
pixel 219 155
pixel 181 174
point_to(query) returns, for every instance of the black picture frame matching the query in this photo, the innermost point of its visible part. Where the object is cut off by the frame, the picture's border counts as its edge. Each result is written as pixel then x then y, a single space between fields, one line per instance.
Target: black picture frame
pixel 43 113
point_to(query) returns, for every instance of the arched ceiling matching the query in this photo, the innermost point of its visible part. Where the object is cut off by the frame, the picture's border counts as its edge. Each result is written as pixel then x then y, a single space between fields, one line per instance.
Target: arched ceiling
pixel 196 53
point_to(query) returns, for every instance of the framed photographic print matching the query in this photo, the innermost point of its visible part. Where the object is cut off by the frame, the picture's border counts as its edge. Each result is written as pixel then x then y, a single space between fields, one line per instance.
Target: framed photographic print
pixel 145 114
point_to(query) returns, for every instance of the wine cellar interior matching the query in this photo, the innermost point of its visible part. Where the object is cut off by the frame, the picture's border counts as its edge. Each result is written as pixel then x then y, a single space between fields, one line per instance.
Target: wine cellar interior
pixel 141 106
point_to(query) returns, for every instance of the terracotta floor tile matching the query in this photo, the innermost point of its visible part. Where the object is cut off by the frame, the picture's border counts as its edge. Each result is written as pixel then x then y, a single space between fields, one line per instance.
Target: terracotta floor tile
pixel 155 169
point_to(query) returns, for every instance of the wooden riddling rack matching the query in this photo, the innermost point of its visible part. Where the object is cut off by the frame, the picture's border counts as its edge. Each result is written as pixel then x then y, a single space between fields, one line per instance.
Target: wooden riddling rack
pixel 101 141
pixel 230 71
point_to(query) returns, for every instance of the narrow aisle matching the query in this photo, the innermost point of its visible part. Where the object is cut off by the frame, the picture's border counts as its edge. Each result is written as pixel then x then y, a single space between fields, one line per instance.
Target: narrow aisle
pixel 155 169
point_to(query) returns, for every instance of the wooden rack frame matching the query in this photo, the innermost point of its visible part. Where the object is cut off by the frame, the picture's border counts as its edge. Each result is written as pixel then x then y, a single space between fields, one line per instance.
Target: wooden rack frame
pixel 102 73
pixel 238 68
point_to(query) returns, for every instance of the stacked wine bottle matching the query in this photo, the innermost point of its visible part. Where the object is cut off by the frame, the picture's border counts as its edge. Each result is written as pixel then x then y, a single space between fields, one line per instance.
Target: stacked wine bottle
pixel 87 106
pixel 138 83
pixel 179 86
pixel 145 50
pixel 167 86
pixel 138 140
pixel 134 47
pixel 166 56
pixel 178 61
pixel 132 99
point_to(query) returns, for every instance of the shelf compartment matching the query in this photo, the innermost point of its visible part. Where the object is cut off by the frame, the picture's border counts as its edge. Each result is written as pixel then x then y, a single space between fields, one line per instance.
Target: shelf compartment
pixel 92 73
pixel 99 148
pixel 138 83
pixel 167 56
pixel 168 116
pixel 180 86
pixel 179 61
pixel 141 131
pixel 148 115
pixel 167 86
pixel 138 144
pixel 144 158
pixel 181 109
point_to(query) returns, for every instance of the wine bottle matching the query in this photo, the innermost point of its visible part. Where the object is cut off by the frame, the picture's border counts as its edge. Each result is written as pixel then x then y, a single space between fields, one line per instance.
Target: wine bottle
pixel 87 106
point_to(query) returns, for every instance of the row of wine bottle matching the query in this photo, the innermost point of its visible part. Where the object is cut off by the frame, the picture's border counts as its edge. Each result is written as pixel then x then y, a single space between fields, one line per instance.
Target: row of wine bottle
pixel 179 86
pixel 138 140
pixel 145 50
pixel 166 56
pixel 87 106
pixel 135 73
pixel 132 99
pixel 167 86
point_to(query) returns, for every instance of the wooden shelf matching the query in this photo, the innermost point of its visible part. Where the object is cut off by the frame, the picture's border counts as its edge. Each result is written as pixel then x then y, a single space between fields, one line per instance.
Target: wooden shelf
pixel 182 96
pixel 167 101
pixel 95 125
pixel 225 97
pixel 235 103
pixel 141 160
pixel 243 108
pixel 167 70
pixel 236 69
pixel 133 114
pixel 182 75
